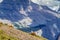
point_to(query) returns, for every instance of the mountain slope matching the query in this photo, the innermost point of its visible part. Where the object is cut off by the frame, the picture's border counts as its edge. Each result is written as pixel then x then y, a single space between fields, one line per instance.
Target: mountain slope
pixel 21 10
pixel 17 34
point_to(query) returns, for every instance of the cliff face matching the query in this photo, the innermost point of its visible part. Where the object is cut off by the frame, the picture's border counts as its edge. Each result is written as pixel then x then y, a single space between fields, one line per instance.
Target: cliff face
pixel 7 32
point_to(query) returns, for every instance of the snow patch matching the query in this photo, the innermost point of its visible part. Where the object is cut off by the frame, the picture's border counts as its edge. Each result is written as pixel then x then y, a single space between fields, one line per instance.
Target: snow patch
pixel 52 4
pixel 1 1
pixel 17 23
pixel 55 26
pixel 53 33
pixel 35 1
pixel 29 9
pixel 4 21
pixel 39 32
pixel 56 8
pixel 26 22
pixel 22 11
pixel 53 13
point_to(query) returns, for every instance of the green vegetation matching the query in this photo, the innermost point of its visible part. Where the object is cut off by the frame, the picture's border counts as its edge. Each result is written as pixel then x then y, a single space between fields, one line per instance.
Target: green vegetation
pixel 41 37
pixel 4 36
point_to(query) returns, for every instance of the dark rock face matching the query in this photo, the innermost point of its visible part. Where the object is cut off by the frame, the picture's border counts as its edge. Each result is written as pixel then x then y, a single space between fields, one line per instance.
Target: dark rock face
pixel 9 9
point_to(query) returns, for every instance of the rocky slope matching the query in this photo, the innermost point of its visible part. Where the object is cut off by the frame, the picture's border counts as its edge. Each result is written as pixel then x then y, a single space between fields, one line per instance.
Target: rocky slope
pixel 14 34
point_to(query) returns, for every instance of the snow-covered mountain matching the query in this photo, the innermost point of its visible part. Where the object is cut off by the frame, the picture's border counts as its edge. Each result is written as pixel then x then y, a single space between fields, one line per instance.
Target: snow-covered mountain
pixel 52 4
pixel 28 15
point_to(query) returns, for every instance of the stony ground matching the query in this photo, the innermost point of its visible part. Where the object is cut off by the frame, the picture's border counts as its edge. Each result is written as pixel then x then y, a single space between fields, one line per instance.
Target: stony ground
pixel 9 30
